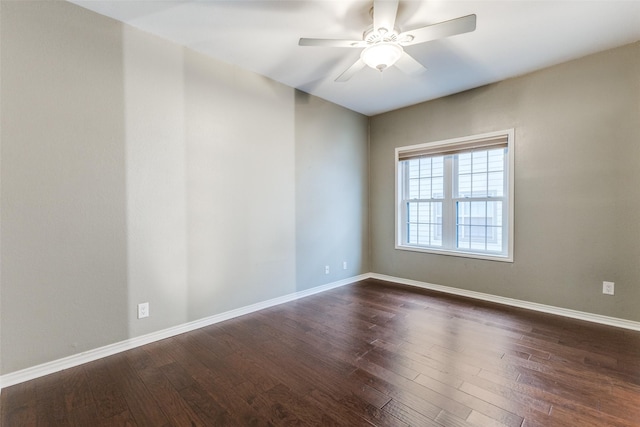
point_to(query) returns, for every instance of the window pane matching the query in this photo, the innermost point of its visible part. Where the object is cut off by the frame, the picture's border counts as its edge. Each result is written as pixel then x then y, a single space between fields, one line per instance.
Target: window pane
pixel 412 212
pixel 479 226
pixel 478 237
pixel 412 236
pixel 423 234
pixel 425 167
pixel 414 189
pixel 464 186
pixel 423 212
pixel 464 163
pixel 494 213
pixel 496 160
pixel 478 213
pixel 472 177
pixel 496 184
pixel 463 213
pixel 479 159
pixel 437 166
pixel 425 178
pixel 472 221
pixel 413 167
pixel 437 189
pixel 425 188
pixel 494 239
pixel 479 185
pixel 436 235
pixel 463 240
pixel 424 225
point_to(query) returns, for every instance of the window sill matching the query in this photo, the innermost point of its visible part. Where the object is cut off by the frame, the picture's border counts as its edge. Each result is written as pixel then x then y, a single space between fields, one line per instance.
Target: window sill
pixel 486 257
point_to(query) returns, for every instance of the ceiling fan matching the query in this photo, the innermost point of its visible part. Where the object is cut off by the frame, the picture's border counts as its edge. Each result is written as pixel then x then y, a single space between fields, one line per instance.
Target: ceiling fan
pixel 384 44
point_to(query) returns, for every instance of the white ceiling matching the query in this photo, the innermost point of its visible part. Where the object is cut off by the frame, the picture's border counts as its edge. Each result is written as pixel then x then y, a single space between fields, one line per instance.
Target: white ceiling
pixel 512 37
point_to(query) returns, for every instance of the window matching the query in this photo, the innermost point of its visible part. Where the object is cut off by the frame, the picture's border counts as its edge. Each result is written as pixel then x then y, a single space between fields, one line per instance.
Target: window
pixel 455 197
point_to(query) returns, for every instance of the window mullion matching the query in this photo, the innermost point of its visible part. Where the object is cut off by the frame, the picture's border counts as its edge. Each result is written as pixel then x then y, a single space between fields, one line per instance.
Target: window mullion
pixel 403 211
pixel 448 206
pixel 406 203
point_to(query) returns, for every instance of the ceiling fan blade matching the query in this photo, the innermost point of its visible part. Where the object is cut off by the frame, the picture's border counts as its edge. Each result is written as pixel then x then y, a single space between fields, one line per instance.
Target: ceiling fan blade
pixel 349 72
pixel 461 25
pixel 384 14
pixel 331 42
pixel 408 65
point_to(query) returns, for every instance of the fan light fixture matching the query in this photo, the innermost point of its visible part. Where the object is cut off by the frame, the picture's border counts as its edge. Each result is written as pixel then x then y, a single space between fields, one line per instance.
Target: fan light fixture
pixel 381 55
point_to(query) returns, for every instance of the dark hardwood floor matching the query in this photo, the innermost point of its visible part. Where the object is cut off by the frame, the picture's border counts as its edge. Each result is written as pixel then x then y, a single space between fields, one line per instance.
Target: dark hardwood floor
pixel 372 353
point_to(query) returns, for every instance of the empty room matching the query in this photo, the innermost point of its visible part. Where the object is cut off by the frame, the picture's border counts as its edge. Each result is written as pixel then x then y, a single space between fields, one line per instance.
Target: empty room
pixel 319 212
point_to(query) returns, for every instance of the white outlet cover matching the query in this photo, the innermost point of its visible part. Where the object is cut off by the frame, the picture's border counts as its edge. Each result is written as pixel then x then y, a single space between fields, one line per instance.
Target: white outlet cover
pixel 143 310
pixel 608 288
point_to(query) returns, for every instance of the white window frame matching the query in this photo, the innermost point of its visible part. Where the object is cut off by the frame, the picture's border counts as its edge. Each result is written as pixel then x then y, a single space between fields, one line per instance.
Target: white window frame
pixel 444 147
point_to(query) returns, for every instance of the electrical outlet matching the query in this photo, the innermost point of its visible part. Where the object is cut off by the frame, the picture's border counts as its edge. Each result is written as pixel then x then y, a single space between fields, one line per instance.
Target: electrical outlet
pixel 607 288
pixel 326 269
pixel 143 310
pixel 344 265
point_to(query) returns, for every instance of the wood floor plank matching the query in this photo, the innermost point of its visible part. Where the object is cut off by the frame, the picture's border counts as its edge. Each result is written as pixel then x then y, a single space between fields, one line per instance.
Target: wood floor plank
pixel 277 413
pixel 332 378
pixel 372 353
pixel 76 389
pixel 142 405
pixel 282 366
pixel 566 417
pixel 513 402
pixel 50 405
pixel 337 409
pixel 500 414
pixel 207 409
pixel 373 415
pixel 408 392
pixel 19 407
pixel 109 400
pixel 152 355
pixel 307 412
pixel 225 395
pixel 423 404
pixel 169 399
pixel 322 336
pixel 408 415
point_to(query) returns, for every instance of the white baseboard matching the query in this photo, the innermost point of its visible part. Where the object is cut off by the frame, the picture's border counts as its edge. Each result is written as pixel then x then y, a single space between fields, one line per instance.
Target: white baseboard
pixel 98 353
pixel 108 350
pixel 574 314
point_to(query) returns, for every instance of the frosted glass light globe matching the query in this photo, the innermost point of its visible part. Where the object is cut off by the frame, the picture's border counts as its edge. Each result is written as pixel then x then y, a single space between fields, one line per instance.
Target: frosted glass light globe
pixel 381 55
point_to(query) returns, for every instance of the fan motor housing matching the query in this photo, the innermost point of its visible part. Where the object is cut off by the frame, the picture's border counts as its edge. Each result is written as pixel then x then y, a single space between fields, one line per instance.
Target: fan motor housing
pixel 372 36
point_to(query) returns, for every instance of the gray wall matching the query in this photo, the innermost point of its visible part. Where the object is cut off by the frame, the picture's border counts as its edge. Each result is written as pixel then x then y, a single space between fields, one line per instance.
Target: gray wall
pixel 577 176
pixel 135 170
pixel 331 181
